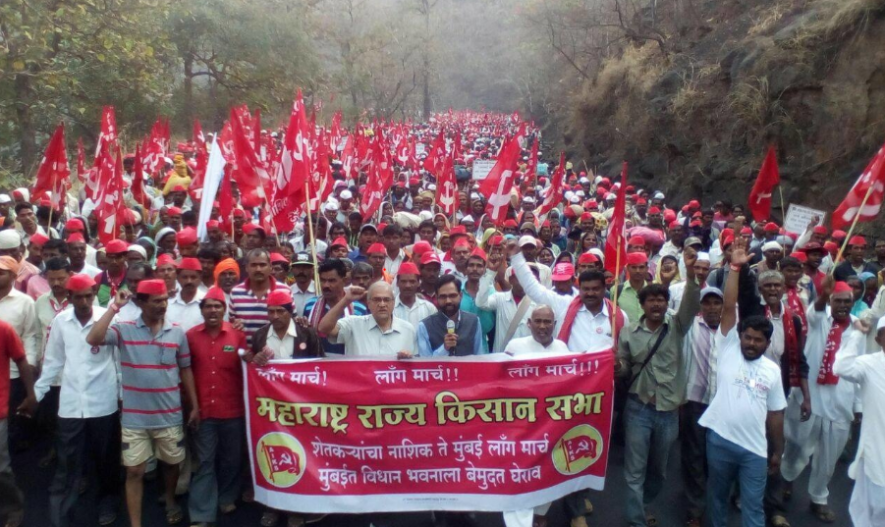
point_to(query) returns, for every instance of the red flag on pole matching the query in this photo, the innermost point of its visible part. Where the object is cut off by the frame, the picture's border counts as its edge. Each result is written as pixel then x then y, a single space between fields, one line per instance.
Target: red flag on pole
pixel 249 171
pixel 53 173
pixel 768 178
pixel 531 169
pixel 199 139
pixel 553 193
pixel 864 200
pixel 111 204
pixel 616 242
pixel 108 135
pixel 447 189
pixel 436 156
pixel 138 193
pixel 499 182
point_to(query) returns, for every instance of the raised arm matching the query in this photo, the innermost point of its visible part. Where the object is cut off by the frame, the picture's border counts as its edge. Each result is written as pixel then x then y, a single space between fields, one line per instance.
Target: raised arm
pixel 485 297
pixel 533 288
pixel 329 323
pixel 691 297
pixel 99 331
pixel 846 364
pixel 739 259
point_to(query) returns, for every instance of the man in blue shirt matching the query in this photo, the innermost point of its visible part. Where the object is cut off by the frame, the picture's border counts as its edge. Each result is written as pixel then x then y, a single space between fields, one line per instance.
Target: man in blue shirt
pixel 450 331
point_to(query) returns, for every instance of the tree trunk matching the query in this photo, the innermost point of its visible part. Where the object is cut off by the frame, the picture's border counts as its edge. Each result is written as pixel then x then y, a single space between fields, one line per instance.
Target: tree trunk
pixel 188 112
pixel 26 127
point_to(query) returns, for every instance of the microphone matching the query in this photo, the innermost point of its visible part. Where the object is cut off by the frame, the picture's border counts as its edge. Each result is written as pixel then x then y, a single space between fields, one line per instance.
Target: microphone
pixel 450 326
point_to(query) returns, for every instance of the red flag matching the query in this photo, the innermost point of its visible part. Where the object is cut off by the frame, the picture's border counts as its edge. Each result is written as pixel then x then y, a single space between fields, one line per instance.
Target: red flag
pixel 81 161
pixel 616 242
pixel 138 193
pixel 578 448
pixel 281 459
pixel 768 178
pixel 553 193
pixel 436 156
pixel 199 139
pixel 108 135
pixel 249 172
pixel 225 196
pixel 531 169
pixel 296 163
pixel 256 132
pixel 499 182
pixel 380 178
pixel 202 160
pixel 872 182
pixel 53 173
pixel 111 205
pixel 447 189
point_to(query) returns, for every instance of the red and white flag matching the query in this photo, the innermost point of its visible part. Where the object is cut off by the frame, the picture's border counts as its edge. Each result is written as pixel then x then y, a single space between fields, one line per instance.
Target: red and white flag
pixel 138 193
pixel 199 139
pixel 108 135
pixel 250 172
pixel 768 178
pixel 447 189
pixel 616 242
pixel 296 160
pixel 53 173
pixel 111 207
pixel 497 185
pixel 872 182
pixel 531 169
pixel 553 194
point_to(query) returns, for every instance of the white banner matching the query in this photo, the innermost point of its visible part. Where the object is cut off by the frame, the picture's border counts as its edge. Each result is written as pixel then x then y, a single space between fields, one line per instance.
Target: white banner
pixel 481 168
pixel 211 182
pixel 798 218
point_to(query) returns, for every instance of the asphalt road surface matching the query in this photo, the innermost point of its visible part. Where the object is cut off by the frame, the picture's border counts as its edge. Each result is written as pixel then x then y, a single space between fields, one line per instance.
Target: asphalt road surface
pixel 609 504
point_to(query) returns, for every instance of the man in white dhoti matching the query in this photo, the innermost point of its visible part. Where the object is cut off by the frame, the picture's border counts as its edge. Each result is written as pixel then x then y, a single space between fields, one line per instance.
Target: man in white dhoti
pixel 867 507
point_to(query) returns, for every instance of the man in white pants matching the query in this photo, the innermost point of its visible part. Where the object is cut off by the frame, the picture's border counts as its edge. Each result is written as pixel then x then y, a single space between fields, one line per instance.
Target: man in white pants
pixel 867 507
pixel 822 438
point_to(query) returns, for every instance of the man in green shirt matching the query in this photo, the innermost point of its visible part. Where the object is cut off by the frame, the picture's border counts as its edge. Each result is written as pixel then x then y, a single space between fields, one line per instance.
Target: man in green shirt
pixel 628 293
pixel 650 355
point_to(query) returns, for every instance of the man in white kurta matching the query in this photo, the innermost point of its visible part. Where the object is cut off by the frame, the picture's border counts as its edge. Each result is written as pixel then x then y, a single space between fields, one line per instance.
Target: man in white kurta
pixel 867 507
pixel 822 438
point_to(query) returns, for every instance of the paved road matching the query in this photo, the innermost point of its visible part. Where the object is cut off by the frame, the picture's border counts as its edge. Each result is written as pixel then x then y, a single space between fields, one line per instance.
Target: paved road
pixel 669 507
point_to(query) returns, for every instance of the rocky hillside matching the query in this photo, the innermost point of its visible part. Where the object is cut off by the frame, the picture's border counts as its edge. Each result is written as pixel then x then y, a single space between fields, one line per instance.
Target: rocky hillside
pixel 694 117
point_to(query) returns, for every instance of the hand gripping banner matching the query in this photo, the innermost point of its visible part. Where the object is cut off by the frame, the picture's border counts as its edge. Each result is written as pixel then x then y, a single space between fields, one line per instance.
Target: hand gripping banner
pixel 492 433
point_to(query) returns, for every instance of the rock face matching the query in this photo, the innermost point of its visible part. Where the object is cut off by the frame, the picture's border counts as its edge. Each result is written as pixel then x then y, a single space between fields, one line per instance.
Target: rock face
pixel 807 76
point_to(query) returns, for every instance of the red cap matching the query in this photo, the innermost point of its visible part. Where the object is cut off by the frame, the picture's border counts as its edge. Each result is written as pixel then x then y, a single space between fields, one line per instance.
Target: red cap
pixel 190 264
pixel 545 223
pixel 586 216
pixel 641 201
pixel 215 293
pixel 842 287
pixel 76 237
pixel 239 213
pixel 693 204
pixel 771 227
pixel 339 242
pixel 407 268
pixel 746 230
pixel 674 223
pixel 116 247
pixel 376 248
pixel 430 257
pixel 636 258
pixel 630 189
pixel 654 210
pixel 186 236
pixel 79 282
pixel 461 242
pixel 179 188
pixel 510 224
pixel 165 259
pixel 811 246
pixel 727 240
pixel 479 253
pixel 831 247
pixel 839 234
pixel 381 227
pixel 636 240
pixel 173 211
pixel 820 229
pixel 857 240
pixel 74 225
pixel 802 257
pixel 459 230
pixel 420 248
pixel 496 240
pixel 212 224
pixel 563 271
pixel 152 287
pixel 38 239
pixel 278 258
pixel 279 297
pixel 695 223
pixel 251 227
pixel 587 258
pixel 669 215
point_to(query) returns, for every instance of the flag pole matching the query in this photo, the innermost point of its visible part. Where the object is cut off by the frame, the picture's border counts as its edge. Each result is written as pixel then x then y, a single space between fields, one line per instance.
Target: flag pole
pixel 851 230
pixel 783 204
pixel 613 316
pixel 313 242
pixel 51 189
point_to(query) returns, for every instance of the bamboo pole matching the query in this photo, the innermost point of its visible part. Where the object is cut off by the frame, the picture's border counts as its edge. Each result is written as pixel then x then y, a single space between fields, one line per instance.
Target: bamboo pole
pixel 313 242
pixel 851 230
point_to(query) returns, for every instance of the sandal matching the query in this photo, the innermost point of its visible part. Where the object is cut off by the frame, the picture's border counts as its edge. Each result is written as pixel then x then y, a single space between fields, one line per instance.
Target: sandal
pixel 778 520
pixel 174 515
pixel 270 518
pixel 823 513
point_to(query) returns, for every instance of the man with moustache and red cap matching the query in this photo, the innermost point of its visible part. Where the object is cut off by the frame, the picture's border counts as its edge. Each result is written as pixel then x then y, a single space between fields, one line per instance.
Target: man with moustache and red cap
pixel 184 307
pixel 88 419
pixel 155 359
pixel 114 278
pixel 215 348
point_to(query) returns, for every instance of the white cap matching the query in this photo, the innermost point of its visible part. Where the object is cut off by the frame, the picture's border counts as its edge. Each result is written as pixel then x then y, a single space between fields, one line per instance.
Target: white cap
pixel 9 239
pixel 346 194
pixel 139 249
pixel 474 195
pixel 4 198
pixel 468 218
pixel 425 215
pixel 527 240
pixel 881 324
pixel 574 199
pixel 703 257
pixel 772 246
pixel 658 195
pixel 528 199
pixel 584 180
pixel 431 187
pixel 580 193
pixel 331 207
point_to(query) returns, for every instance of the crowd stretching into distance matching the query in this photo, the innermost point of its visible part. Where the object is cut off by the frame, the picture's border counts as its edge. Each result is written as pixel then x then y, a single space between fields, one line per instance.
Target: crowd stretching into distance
pixel 757 349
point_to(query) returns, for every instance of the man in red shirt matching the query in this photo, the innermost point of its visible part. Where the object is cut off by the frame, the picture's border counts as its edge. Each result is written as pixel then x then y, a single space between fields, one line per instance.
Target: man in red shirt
pixel 215 346
pixel 11 349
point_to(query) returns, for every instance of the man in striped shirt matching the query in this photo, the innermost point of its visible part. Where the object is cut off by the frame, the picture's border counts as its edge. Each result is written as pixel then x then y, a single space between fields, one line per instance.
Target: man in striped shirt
pixel 154 358
pixel 248 301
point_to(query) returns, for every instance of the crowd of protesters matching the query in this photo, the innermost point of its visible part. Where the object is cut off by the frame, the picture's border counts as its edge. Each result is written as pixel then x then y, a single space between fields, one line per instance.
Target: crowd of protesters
pixel 754 348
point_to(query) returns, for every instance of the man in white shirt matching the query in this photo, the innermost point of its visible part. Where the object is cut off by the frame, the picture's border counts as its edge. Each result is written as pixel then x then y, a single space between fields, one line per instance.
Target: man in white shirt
pixel 867 507
pixel 749 399
pixel 184 307
pixel 88 418
pixel 822 438
pixel 303 289
pixel 541 323
pixel 409 306
pixel 378 334
pixel 508 304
